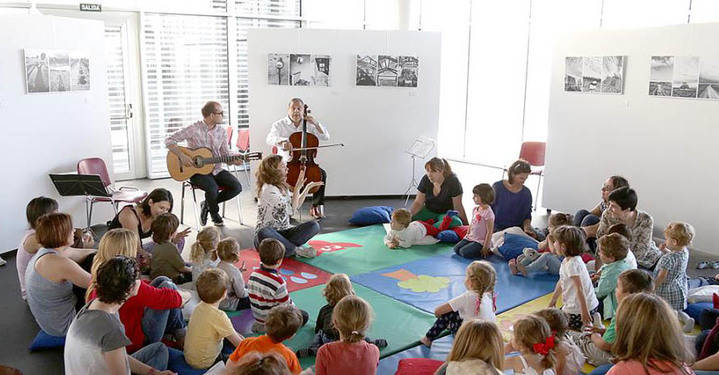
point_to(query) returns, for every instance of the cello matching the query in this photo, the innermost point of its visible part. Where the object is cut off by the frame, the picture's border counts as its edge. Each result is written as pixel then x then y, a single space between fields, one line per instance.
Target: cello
pixel 304 152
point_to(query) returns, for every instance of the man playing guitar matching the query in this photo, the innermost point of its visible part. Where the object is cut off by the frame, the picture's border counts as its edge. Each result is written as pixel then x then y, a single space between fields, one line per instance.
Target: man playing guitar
pixel 279 136
pixel 207 133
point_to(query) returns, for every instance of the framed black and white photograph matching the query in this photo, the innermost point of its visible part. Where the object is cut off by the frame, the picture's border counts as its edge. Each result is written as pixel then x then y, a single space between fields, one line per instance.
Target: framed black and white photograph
pixel 37 75
pixel 709 79
pixel 278 69
pixel 59 71
pixel 408 66
pixel 660 75
pixel 591 73
pixel 613 74
pixel 301 70
pixel 79 72
pixel 321 70
pixel 387 70
pixel 685 80
pixel 366 70
pixel 573 73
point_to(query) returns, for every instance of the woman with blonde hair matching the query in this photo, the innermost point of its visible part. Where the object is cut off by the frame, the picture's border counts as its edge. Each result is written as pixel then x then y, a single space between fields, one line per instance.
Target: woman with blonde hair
pixel 277 201
pixel 157 307
pixel 649 338
pixel 478 349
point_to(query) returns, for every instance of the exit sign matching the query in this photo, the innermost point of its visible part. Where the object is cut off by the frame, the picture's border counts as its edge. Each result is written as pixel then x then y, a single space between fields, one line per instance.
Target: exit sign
pixel 90 7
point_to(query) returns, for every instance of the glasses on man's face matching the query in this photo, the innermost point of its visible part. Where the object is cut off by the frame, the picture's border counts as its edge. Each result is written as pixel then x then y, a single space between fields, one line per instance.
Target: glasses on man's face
pixel 221 113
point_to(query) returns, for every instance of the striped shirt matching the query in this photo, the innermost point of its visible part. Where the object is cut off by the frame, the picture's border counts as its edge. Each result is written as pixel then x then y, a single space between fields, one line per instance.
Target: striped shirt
pixel 267 289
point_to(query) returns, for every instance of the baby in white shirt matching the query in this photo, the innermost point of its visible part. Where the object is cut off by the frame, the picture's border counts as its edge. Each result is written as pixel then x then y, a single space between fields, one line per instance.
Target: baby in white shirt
pixel 405 233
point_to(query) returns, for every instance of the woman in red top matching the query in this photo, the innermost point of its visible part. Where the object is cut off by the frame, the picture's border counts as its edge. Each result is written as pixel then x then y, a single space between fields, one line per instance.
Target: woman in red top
pixel 157 307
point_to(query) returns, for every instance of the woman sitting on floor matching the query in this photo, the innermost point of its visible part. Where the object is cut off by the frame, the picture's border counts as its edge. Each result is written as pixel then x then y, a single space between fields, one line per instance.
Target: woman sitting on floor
pixel 438 192
pixel 513 201
pixel 277 201
pixel 155 310
pixel 50 275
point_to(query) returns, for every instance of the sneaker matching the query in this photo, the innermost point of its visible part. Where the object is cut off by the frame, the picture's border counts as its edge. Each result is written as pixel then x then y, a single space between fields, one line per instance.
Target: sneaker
pixel 2 262
pixel 714 265
pixel 217 220
pixel 702 265
pixel 258 327
pixel 306 251
pixel 204 211
pixel 688 325
pixel 219 223
pixel 597 320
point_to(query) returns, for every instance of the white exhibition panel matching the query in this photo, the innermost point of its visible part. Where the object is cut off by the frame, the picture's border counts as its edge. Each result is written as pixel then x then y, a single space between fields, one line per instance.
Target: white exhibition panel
pixel 666 147
pixel 48 132
pixel 376 124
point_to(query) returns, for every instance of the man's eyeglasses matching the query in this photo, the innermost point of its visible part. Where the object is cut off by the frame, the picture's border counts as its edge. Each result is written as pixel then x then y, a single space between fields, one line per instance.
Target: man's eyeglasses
pixel 219 113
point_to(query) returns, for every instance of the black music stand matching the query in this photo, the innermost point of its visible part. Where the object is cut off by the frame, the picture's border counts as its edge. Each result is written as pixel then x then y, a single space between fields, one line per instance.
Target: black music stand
pixel 87 185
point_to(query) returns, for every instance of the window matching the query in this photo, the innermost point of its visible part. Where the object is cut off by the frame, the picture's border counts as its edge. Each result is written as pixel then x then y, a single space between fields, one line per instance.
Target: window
pixel 285 8
pixel 115 74
pixel 186 64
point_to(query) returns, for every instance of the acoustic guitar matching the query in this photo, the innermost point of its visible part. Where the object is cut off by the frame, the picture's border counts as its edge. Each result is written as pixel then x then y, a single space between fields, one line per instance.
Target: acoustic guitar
pixel 202 161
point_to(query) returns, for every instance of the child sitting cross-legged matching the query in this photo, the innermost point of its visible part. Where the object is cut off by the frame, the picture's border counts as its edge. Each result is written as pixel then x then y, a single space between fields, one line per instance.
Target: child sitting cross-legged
pixel 476 302
pixel 337 287
pixel 209 326
pixel 670 274
pixel 570 359
pixel 266 287
pixel 203 253
pixel 574 285
pixel 352 354
pixel 612 249
pixel 237 298
pixel 166 259
pixel 477 349
pixel 282 322
pixel 597 346
pixel 537 347
pixel 478 241
pixel 405 232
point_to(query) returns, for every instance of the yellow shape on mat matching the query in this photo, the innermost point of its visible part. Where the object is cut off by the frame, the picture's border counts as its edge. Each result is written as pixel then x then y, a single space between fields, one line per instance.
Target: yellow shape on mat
pixel 425 283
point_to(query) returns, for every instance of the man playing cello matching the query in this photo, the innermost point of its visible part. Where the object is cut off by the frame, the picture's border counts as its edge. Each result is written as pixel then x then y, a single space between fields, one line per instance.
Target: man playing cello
pixel 279 136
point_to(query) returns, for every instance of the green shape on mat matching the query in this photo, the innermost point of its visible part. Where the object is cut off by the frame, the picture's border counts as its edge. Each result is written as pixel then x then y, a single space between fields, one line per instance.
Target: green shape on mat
pixel 372 256
pixel 399 323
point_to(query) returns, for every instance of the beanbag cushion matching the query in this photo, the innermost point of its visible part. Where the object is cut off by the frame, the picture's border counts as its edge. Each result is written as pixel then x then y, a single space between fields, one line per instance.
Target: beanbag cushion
pixel 371 215
pixel 448 236
pixel 45 341
pixel 178 364
pixel 695 309
pixel 702 294
pixel 418 366
pixel 514 244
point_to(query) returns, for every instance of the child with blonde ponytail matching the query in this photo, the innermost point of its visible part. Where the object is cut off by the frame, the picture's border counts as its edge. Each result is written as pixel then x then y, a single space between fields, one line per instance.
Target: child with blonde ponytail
pixel 203 254
pixel 536 345
pixel 352 354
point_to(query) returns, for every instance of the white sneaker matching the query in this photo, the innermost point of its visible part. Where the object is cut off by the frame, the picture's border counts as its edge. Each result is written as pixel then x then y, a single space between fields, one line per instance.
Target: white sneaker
pixel 597 320
pixel 306 252
pixel 2 262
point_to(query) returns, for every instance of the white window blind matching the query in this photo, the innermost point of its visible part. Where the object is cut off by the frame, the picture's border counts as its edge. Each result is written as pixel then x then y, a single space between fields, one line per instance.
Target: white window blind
pixel 186 64
pixel 219 4
pixel 286 8
pixel 115 74
pixel 243 24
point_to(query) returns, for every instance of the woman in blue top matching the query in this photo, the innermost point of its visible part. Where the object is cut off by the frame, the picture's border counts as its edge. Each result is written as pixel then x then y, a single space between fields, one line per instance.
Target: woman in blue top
pixel 438 191
pixel 512 200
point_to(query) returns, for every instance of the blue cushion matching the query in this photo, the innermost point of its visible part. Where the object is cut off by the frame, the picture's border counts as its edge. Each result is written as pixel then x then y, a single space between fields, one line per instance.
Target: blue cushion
pixel 178 364
pixel 448 236
pixel 371 215
pixel 695 309
pixel 514 244
pixel 45 341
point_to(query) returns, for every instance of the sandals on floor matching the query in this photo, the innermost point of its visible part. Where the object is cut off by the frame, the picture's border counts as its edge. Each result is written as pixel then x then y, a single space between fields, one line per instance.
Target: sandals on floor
pixel 703 265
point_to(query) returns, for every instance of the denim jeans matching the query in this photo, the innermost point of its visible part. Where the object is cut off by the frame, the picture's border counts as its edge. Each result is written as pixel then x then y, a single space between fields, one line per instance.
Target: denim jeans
pixel 154 355
pixel 291 237
pixel 468 249
pixel 584 218
pixel 547 262
pixel 155 323
pixel 601 370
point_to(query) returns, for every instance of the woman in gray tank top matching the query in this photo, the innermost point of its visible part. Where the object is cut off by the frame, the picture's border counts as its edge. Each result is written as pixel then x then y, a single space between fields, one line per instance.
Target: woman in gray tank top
pixel 50 275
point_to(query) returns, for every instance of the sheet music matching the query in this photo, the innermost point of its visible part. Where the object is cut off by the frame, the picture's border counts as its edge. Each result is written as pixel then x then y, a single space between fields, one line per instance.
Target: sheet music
pixel 421 147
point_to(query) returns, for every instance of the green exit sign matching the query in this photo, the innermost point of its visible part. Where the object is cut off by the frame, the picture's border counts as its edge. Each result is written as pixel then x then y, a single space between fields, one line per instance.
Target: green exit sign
pixel 90 7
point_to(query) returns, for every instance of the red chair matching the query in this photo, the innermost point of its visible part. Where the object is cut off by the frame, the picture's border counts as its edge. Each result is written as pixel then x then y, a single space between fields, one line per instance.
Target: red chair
pixel 124 194
pixel 533 153
pixel 243 140
pixel 229 136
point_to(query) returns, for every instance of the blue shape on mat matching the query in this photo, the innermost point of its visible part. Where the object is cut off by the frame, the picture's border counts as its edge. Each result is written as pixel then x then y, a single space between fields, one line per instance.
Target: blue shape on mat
pixel 46 341
pixel 439 350
pixel 309 276
pixel 286 272
pixel 298 280
pixel 514 244
pixel 511 290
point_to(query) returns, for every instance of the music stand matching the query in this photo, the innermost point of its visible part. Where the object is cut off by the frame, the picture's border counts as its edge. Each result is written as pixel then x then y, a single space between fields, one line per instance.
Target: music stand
pixel 87 185
pixel 421 147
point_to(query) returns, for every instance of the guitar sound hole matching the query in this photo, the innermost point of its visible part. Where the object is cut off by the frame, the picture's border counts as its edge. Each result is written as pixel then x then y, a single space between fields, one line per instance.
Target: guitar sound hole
pixel 198 162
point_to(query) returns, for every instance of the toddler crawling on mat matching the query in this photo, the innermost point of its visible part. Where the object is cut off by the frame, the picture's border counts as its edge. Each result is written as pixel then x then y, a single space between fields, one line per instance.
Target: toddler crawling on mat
pixel 405 232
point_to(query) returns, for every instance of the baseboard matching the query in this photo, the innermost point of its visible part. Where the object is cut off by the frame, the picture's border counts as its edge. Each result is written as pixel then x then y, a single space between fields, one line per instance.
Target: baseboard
pixel 350 197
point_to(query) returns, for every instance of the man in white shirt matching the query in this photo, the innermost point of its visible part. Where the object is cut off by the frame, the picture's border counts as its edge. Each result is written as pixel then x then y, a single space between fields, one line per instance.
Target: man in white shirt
pixel 279 136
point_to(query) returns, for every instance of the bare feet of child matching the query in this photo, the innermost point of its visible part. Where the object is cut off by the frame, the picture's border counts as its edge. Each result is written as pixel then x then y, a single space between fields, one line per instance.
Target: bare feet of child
pixel 522 269
pixel 513 266
pixel 426 341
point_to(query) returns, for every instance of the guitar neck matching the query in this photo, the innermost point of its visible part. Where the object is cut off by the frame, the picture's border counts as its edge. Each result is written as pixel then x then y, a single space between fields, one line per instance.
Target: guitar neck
pixel 223 159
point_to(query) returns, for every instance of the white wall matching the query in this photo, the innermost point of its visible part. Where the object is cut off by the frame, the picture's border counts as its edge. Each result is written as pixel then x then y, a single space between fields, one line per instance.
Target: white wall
pixel 376 124
pixel 48 132
pixel 666 147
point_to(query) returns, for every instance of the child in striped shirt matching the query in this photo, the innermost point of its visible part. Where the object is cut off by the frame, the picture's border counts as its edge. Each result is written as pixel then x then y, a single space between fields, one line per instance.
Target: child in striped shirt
pixel 266 287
